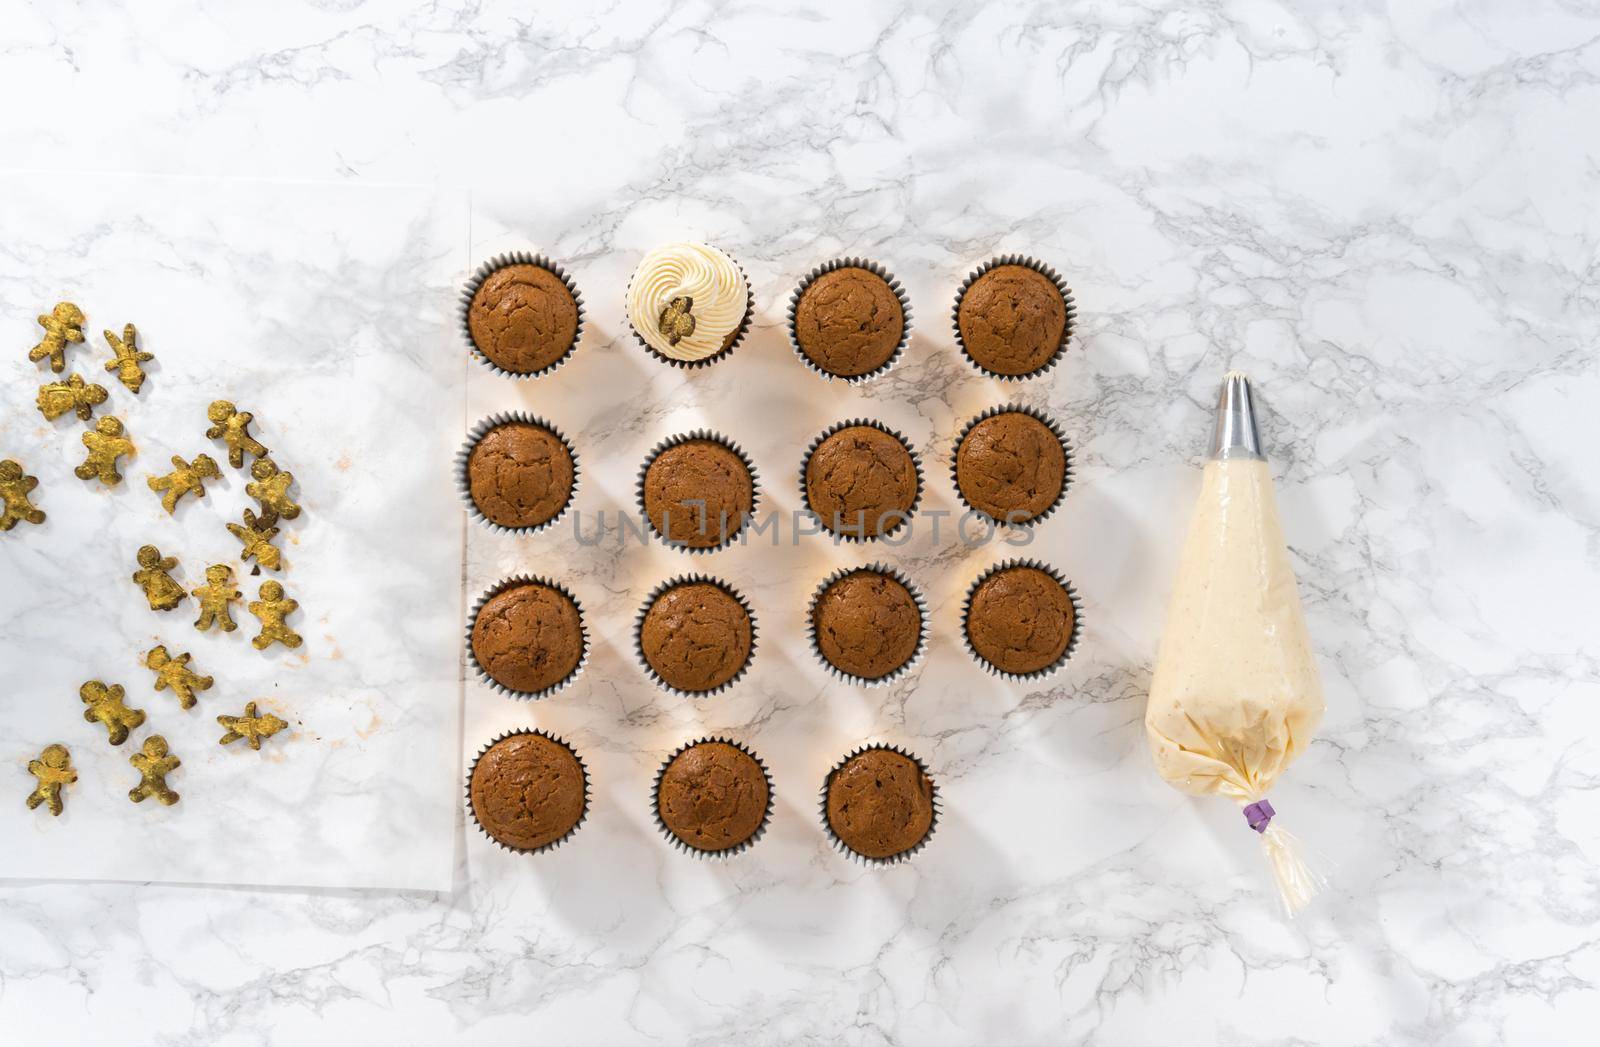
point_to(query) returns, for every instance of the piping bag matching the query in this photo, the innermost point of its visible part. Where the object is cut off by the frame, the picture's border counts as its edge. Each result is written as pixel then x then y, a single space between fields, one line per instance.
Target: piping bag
pixel 1235 696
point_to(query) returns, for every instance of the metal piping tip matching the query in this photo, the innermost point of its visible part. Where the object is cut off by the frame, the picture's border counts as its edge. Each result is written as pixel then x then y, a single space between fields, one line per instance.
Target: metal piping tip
pixel 1236 435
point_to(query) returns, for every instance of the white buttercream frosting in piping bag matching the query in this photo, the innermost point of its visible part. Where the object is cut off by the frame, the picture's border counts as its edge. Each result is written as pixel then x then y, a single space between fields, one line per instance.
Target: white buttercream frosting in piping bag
pixel 709 284
pixel 1236 697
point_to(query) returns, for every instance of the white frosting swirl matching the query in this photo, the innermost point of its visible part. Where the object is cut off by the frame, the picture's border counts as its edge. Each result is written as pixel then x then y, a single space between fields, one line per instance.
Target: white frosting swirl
pixel 696 271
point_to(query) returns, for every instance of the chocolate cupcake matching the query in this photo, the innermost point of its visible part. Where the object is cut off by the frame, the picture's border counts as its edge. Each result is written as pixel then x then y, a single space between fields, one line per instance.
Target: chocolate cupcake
pixel 1013 317
pixel 528 791
pixel 1020 620
pixel 879 806
pixel 526 637
pixel 521 314
pixel 516 472
pixel 849 319
pixel 861 480
pixel 695 635
pixel 1012 464
pixel 696 491
pixel 712 798
pixel 868 625
pixel 689 304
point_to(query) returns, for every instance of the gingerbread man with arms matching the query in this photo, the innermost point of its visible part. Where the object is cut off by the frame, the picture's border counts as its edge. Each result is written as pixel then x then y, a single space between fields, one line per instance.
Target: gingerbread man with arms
pixel 251 727
pixel 272 609
pixel 256 535
pixel 106 442
pixel 215 598
pixel 185 478
pixel 105 707
pixel 154 762
pixel 176 674
pixel 270 487
pixel 54 770
pixel 74 394
pixel 15 487
pixel 126 356
pixel 63 324
pixel 232 427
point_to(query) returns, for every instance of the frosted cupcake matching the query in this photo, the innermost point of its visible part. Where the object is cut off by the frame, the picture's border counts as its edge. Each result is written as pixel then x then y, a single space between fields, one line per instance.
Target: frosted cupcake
pixel 688 304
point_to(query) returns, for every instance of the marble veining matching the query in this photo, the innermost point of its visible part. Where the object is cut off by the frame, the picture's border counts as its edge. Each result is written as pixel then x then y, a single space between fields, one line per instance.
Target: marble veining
pixel 1385 214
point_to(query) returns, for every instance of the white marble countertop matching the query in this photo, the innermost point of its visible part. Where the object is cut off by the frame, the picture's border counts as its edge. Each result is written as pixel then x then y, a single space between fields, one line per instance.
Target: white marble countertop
pixel 1389 219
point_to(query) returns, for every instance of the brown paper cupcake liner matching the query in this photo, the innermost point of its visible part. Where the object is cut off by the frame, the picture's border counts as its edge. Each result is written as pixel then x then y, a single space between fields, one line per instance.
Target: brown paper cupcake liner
pixel 487 269
pixel 1050 274
pixel 1049 423
pixel 894 285
pixel 847 535
pixel 464 456
pixel 922 629
pixel 687 848
pixel 656 594
pixel 721 354
pixel 1072 641
pixel 500 587
pixel 553 844
pixel 844 848
pixel 683 438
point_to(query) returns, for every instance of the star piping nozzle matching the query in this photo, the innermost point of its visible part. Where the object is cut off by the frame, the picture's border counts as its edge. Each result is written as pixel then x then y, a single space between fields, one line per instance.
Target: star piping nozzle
pixel 1236 435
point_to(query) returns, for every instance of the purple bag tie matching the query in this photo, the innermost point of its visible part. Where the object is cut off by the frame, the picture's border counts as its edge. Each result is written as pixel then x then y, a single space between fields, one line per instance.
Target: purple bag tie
pixel 1259 814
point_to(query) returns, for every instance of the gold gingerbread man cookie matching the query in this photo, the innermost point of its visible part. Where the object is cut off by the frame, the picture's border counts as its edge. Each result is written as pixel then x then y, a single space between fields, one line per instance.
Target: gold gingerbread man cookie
pixel 126 357
pixel 270 487
pixel 154 762
pixel 72 394
pixel 176 674
pixel 272 609
pixel 232 427
pixel 160 589
pixel 106 443
pixel 105 707
pixel 250 727
pixel 215 598
pixel 676 321
pixel 16 487
pixel 185 478
pixel 54 770
pixel 256 535
pixel 62 325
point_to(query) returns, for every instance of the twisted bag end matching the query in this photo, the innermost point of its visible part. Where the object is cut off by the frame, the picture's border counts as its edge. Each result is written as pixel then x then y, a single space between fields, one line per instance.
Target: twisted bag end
pixel 1297 880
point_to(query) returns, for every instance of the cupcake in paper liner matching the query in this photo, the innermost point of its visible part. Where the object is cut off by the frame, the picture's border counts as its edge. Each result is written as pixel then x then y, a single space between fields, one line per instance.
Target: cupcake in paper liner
pixel 689 305
pixel 1012 465
pixel 1013 316
pixel 860 480
pixel 695 635
pixel 697 490
pixel 712 798
pixel 517 473
pixel 528 791
pixel 879 805
pixel 849 319
pixel 867 625
pixel 526 637
pixel 1020 620
pixel 521 314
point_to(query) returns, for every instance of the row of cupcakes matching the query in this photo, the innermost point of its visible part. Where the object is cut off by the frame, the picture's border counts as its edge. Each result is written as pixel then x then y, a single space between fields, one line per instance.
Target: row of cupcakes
pixel 528 791
pixel 859 479
pixel 696 635
pixel 690 305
